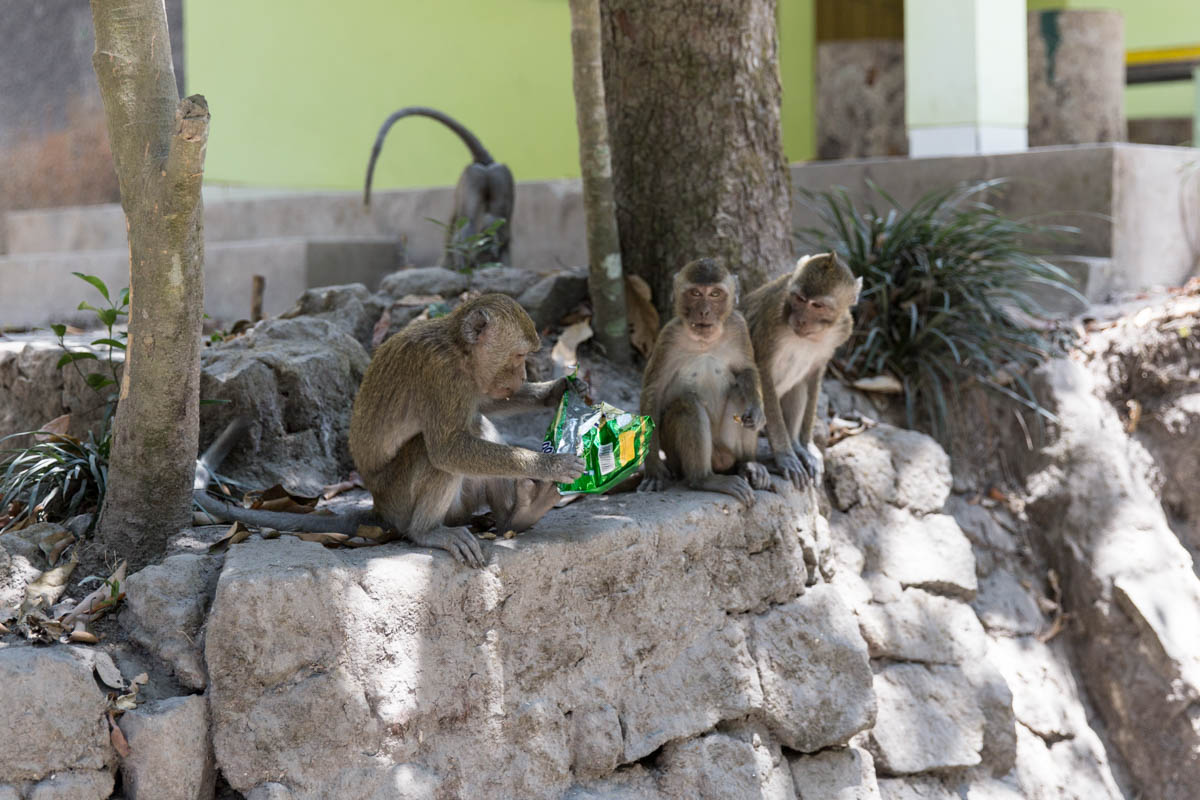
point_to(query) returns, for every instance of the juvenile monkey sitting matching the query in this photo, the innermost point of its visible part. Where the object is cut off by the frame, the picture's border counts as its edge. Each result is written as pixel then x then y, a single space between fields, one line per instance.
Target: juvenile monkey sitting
pixel 701 388
pixel 796 322
pixel 422 443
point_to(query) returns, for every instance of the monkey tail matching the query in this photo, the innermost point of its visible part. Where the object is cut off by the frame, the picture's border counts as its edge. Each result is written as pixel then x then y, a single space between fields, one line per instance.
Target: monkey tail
pixel 478 152
pixel 348 523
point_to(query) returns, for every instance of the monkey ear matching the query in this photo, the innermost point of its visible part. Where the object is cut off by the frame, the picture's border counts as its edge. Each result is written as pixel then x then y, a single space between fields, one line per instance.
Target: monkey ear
pixel 474 325
pixel 803 260
pixel 857 290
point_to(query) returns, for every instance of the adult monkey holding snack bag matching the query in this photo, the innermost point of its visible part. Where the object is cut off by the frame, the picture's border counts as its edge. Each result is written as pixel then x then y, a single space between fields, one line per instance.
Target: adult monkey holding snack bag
pixel 422 443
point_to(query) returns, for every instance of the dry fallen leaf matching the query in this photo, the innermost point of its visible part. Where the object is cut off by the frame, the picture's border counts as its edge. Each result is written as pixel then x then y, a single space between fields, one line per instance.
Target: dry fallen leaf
pixel 328 539
pixel 334 489
pixel 1135 415
pixel 54 543
pixel 642 315
pixel 45 591
pixel 277 498
pixel 486 535
pixel 510 534
pixel 119 742
pixel 55 428
pixel 237 532
pixel 382 326
pixel 99 602
pixel 107 671
pixel 82 635
pixel 880 384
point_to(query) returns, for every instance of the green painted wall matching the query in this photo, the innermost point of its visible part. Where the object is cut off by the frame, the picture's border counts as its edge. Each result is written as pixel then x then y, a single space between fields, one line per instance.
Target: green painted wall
pixel 1150 24
pixel 298 90
pixel 797 70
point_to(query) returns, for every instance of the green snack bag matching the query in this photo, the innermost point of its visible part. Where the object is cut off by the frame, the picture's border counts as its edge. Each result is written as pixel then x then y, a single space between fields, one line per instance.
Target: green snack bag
pixel 611 442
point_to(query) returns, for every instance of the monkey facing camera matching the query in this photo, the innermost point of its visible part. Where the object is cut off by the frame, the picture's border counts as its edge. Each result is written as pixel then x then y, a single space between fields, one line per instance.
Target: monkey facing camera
pixel 701 388
pixel 483 199
pixel 422 441
pixel 797 321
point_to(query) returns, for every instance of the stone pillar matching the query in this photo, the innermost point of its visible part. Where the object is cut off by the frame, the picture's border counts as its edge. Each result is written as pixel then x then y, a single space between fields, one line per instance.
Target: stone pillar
pixel 1196 110
pixel 860 98
pixel 966 88
pixel 1076 77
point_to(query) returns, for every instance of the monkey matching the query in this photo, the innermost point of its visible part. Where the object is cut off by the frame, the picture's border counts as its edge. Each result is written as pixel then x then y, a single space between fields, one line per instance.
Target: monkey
pixel 422 442
pixel 796 323
pixel 484 197
pixel 701 388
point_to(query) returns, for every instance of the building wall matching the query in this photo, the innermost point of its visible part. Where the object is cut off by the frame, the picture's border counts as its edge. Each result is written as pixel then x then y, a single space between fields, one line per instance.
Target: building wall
pixel 298 90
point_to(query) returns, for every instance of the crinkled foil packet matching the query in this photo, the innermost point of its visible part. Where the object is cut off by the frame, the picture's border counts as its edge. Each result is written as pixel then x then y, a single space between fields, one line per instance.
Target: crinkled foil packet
pixel 612 442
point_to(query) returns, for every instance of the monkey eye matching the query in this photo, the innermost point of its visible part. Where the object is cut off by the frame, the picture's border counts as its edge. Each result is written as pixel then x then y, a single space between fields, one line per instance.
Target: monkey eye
pixel 816 304
pixel 800 298
pixel 696 293
pixel 716 293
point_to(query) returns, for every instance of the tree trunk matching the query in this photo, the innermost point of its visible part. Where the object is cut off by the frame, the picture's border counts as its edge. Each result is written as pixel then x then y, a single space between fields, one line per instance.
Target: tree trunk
pixel 606 283
pixel 158 145
pixel 693 115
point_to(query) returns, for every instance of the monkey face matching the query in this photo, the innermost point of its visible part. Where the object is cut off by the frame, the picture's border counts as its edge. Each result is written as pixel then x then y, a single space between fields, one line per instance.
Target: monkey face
pixel 809 317
pixel 704 308
pixel 509 378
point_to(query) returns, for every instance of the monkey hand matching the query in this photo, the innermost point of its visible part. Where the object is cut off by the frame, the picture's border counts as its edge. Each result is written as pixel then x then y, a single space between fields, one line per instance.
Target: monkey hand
pixel 458 542
pixel 792 470
pixel 560 386
pixel 561 467
pixel 753 418
pixel 811 460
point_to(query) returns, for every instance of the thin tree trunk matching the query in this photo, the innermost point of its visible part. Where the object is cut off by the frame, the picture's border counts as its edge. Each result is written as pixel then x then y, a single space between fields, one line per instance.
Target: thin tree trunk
pixel 693 116
pixel 606 283
pixel 158 144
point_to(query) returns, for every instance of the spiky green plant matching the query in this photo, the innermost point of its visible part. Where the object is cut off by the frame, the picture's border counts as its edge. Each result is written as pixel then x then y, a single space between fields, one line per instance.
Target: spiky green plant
pixel 59 477
pixel 948 296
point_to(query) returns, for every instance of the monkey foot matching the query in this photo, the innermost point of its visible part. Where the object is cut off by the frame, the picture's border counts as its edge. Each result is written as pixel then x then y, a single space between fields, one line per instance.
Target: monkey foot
pixel 756 474
pixel 733 485
pixel 458 542
pixel 653 483
pixel 534 499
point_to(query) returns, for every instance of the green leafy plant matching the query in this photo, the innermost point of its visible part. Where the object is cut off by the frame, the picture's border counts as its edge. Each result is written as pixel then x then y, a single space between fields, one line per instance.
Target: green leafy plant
pixel 108 317
pixel 469 251
pixel 60 475
pixel 948 296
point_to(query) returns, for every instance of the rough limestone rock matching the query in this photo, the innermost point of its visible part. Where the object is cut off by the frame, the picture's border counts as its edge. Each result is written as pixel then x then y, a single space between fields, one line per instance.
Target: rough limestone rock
pixel 927 552
pixel 33 390
pixel 88 784
pixel 65 730
pixel 915 789
pixel 651 605
pixel 21 563
pixel 995 701
pixel 164 609
pixel 1129 580
pixel 351 307
pixel 171 758
pixel 919 626
pixel 270 791
pixel 1006 607
pixel 994 789
pixel 1066 769
pixel 295 380
pixel 889 465
pixel 719 766
pixel 553 296
pixel 423 281
pixel 842 774
pixel 9 793
pixel 512 281
pixel 928 719
pixel 595 741
pixel 816 676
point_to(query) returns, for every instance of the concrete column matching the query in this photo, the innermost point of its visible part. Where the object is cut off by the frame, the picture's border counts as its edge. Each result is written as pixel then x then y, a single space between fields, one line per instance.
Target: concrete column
pixel 1196 108
pixel 966 84
pixel 1076 77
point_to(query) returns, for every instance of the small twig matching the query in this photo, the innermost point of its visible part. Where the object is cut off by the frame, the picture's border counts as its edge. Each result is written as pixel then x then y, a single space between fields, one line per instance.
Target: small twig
pixel 256 298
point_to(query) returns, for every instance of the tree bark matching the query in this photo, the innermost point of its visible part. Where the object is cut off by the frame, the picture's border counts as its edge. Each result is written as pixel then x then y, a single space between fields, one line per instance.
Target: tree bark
pixel 606 283
pixel 693 115
pixel 158 144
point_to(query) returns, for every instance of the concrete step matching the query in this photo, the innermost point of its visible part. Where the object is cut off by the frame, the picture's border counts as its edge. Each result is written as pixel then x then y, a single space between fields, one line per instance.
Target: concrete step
pixel 39 289
pixel 548 222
